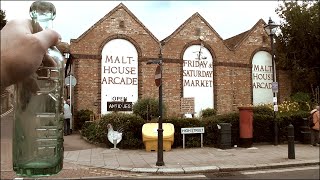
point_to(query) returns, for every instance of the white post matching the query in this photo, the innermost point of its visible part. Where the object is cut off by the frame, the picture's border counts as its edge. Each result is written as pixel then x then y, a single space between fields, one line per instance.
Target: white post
pixel 183 140
pixel 71 119
pixel 201 140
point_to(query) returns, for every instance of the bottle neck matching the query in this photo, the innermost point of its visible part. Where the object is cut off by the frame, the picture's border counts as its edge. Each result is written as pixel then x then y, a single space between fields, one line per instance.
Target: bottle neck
pixel 46 24
pixel 44 21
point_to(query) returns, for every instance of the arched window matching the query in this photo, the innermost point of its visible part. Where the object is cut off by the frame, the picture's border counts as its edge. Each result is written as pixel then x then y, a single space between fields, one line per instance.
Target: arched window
pixel 198 77
pixel 119 74
pixel 262 78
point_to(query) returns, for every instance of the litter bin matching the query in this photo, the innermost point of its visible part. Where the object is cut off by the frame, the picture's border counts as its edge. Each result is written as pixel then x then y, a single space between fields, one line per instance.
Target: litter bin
pixel 224 138
pixel 246 126
pixel 150 136
pixel 305 132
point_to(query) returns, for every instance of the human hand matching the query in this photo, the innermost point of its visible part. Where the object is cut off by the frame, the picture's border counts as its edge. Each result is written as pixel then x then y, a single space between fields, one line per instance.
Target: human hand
pixel 22 51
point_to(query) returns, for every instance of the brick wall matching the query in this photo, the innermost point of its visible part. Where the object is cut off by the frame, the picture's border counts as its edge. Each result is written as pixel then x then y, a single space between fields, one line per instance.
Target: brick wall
pixel 231 65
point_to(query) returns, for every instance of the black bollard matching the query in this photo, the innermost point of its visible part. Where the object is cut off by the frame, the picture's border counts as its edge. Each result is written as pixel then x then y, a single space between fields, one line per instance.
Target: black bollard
pixel 291 153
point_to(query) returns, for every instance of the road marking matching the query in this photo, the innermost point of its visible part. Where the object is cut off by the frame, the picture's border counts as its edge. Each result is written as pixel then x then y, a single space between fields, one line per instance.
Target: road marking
pixel 173 177
pixel 150 177
pixel 279 170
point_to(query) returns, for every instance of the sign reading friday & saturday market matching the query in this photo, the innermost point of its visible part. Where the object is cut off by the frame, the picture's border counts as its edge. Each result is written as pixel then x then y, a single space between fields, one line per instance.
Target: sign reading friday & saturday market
pixel 198 77
pixel 119 74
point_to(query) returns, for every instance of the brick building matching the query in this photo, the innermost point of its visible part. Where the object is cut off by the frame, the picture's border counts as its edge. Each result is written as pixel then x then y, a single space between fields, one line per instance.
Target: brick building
pixel 231 65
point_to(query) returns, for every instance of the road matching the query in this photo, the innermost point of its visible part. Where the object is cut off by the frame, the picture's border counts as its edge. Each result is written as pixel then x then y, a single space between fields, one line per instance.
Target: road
pixel 311 172
pixel 306 172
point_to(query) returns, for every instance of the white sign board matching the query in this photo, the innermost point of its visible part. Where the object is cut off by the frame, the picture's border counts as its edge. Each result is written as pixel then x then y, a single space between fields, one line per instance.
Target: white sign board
pixel 275 87
pixel 119 73
pixel 198 77
pixel 193 130
pixel 262 78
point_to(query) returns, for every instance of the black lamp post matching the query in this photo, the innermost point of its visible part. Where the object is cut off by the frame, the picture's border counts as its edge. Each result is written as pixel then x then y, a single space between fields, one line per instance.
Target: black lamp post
pixel 270 29
pixel 160 130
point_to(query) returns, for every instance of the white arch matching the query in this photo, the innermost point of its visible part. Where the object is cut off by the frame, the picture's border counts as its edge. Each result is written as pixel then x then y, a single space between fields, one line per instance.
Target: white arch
pixel 198 77
pixel 119 73
pixel 262 78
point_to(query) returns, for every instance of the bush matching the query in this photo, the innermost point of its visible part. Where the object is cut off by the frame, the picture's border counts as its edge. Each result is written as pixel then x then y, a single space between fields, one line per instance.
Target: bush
pixel 183 123
pixel 296 119
pixel 303 99
pixel 89 130
pixel 147 108
pixel 208 112
pixel 211 130
pixel 81 117
pixel 130 124
pixel 263 110
pixel 288 107
pixel 263 128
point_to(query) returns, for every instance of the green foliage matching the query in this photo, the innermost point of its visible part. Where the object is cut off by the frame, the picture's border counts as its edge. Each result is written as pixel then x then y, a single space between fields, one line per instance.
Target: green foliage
pixel 183 123
pixel 211 130
pixel 300 97
pixel 297 46
pixel 263 128
pixel 208 112
pixel 89 130
pixel 130 124
pixel 194 140
pixel 263 110
pixel 147 108
pixel 303 99
pixel 288 107
pixel 296 119
pixel 3 20
pixel 81 117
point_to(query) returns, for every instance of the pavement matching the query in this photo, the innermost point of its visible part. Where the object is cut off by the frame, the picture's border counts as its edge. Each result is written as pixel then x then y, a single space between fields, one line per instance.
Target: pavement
pixel 82 159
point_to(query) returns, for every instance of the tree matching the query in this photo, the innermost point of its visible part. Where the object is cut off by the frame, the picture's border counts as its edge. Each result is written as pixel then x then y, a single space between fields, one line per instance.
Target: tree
pixel 147 108
pixel 3 20
pixel 297 46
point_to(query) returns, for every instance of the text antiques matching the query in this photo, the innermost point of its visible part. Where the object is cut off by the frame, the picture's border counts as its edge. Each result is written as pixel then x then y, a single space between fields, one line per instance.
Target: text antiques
pixel 192 130
pixel 119 106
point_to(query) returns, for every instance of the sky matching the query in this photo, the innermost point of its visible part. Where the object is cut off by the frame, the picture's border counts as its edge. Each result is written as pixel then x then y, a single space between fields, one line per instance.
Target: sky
pixel 228 18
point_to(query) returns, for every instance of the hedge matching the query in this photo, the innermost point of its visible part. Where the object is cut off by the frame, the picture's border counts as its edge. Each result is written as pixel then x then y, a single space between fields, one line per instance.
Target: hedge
pixel 263 128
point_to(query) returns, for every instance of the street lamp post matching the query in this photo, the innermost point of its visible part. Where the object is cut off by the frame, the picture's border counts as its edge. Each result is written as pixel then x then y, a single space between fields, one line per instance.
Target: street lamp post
pixel 270 29
pixel 160 130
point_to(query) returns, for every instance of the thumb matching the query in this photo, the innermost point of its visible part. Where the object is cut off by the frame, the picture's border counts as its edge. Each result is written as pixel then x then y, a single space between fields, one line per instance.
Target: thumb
pixel 47 38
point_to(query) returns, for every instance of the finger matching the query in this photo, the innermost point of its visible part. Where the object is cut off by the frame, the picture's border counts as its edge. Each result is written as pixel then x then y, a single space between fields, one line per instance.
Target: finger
pixel 47 38
pixel 20 25
pixel 48 61
pixel 36 27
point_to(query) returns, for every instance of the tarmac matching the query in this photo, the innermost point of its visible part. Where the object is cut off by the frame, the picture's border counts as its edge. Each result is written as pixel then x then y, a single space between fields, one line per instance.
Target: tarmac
pixel 82 159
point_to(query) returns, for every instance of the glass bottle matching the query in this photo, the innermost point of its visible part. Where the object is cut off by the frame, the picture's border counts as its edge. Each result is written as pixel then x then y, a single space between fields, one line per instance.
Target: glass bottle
pixel 38 114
